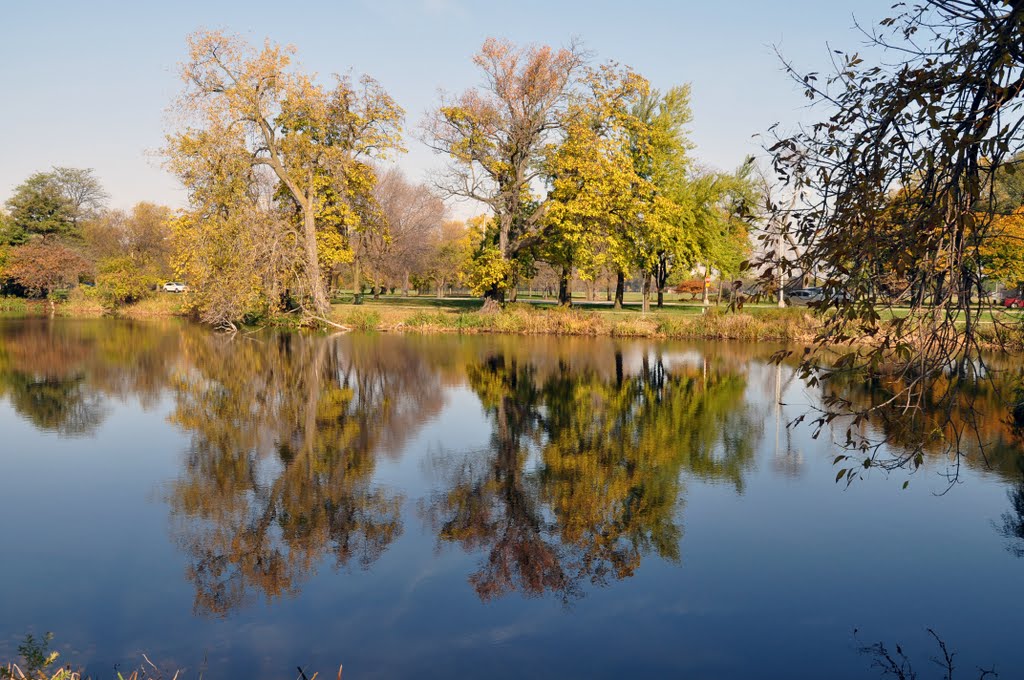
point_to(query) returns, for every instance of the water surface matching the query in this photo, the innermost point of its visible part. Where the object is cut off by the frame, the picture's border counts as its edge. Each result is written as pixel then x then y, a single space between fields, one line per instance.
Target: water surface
pixel 486 506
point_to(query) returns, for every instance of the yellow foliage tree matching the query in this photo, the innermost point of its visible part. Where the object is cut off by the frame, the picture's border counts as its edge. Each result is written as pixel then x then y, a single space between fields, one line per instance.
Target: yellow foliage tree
pixel 283 140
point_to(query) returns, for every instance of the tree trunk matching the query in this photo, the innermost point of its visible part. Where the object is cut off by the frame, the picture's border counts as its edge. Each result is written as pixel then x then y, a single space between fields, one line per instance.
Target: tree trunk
pixel 440 289
pixel 564 292
pixel 321 306
pixel 646 305
pixel 661 297
pixel 494 295
pixel 620 289
pixel 707 275
pixel 405 283
pixel 357 287
pixel 721 284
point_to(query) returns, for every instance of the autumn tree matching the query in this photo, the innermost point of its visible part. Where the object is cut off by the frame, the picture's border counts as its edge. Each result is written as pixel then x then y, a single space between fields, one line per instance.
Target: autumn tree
pixel 937 114
pixel 449 252
pixel 41 267
pixel 666 239
pixel 495 136
pixel 412 217
pixel 132 251
pixel 248 105
pixel 595 195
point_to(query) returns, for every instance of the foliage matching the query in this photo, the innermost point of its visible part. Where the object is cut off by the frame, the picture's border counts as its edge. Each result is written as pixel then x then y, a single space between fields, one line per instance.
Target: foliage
pixel 268 139
pixel 37 659
pixel 936 117
pixel 42 267
pixel 595 195
pixel 54 203
pixel 11 234
pixel 495 137
pixel 224 259
pixel 449 254
pixel 121 281
pixel 38 207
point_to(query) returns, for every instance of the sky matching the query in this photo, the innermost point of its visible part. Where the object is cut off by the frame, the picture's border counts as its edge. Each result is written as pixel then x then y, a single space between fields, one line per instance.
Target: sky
pixel 88 84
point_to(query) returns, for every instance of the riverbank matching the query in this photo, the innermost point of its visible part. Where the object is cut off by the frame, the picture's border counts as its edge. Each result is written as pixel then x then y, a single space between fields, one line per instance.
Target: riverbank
pixel 689 322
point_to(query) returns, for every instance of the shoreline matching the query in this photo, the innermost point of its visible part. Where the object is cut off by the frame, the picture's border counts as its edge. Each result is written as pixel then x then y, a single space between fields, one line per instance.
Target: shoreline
pixel 425 316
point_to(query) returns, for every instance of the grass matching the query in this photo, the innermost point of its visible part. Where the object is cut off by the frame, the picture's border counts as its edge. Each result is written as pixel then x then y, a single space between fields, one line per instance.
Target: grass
pixel 425 315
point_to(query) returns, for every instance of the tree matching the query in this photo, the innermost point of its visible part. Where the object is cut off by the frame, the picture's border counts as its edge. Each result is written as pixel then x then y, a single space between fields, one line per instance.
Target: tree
pixel 82 190
pixel 1002 255
pixel 667 239
pixel 132 251
pixel 412 217
pixel 10 233
pixel 496 136
pixel 38 208
pixel 314 141
pixel 56 203
pixel 937 117
pixel 143 234
pixel 594 193
pixel 449 253
pixel 723 219
pixel 41 267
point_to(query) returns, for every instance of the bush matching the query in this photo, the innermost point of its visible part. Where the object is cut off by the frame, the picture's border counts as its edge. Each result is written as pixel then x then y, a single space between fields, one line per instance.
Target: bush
pixel 121 282
pixel 362 320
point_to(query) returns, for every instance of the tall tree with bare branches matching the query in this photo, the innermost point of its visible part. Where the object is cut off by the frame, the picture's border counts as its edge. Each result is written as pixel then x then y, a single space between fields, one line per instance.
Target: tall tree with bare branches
pixel 495 137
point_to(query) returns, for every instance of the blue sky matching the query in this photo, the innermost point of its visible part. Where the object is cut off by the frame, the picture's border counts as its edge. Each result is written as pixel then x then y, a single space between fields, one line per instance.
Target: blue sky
pixel 87 84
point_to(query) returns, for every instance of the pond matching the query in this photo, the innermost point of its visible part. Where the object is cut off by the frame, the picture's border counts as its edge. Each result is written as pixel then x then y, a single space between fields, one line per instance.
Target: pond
pixel 488 506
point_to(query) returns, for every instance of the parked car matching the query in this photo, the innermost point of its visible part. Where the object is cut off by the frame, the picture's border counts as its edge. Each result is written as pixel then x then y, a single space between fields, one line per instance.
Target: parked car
pixel 1013 302
pixel 175 287
pixel 804 296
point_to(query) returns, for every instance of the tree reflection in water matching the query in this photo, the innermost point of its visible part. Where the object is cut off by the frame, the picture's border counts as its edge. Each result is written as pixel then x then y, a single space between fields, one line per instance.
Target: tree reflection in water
pixel 59 378
pixel 583 475
pixel 285 434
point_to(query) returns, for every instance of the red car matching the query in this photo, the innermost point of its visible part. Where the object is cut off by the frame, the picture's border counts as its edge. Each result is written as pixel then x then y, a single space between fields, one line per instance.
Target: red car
pixel 1013 302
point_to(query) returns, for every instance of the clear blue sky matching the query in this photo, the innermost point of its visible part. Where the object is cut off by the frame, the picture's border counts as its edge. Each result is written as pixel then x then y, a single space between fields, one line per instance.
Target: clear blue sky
pixel 86 84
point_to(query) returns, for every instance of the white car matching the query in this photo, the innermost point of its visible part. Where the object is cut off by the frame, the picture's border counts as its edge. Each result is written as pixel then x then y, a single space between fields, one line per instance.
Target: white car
pixel 174 287
pixel 804 296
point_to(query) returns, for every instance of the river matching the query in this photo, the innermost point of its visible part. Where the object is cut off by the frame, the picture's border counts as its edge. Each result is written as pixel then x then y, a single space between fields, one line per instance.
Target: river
pixel 486 506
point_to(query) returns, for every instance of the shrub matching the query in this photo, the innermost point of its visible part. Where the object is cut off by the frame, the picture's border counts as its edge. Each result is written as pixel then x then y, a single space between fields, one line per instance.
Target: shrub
pixel 362 320
pixel 121 281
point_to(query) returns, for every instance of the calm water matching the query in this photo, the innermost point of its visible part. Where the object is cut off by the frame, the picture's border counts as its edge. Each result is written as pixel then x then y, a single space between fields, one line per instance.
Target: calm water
pixel 483 506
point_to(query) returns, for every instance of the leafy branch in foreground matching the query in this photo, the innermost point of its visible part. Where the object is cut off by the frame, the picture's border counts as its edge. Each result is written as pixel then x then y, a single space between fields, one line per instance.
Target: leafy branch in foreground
pixel 891 199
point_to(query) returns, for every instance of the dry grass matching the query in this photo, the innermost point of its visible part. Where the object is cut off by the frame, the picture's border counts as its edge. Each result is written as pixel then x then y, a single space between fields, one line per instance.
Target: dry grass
pixel 159 305
pixel 525 319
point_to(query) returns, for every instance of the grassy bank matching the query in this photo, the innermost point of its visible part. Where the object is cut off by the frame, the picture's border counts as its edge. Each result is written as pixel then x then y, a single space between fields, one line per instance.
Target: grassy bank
pixel 81 304
pixel 526 319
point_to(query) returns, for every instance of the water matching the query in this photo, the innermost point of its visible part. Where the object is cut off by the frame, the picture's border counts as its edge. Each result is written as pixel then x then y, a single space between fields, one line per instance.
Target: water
pixel 472 506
